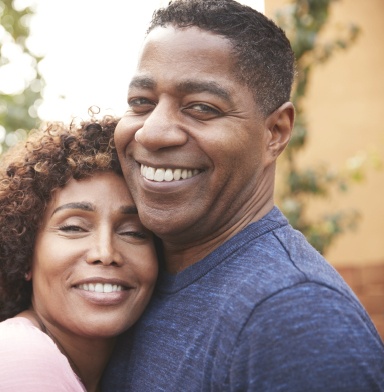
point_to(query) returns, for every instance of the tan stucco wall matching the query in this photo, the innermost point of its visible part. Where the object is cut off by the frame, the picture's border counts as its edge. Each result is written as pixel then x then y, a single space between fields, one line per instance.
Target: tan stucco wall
pixel 345 110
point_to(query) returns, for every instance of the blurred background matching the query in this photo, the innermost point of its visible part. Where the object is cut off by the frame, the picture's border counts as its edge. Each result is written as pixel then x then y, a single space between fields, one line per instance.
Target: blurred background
pixel 59 58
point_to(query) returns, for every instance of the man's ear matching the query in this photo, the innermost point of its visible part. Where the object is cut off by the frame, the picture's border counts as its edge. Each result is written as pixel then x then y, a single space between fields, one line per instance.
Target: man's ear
pixel 279 125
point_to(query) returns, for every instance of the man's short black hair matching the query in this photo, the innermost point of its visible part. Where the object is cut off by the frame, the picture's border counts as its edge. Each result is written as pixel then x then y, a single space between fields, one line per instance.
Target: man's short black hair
pixel 265 60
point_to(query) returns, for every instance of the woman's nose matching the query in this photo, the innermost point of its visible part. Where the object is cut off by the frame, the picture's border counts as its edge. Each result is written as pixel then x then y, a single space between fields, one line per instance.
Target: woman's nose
pixel 162 129
pixel 104 251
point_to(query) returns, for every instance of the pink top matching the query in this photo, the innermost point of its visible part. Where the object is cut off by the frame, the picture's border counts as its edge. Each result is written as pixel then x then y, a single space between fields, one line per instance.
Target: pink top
pixel 30 361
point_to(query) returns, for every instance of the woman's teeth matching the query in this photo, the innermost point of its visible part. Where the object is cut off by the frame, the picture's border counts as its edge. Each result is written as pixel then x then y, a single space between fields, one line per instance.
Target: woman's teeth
pixel 101 287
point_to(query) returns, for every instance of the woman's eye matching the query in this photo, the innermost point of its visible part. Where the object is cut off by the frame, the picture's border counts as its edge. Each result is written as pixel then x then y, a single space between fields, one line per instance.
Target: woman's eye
pixel 134 234
pixel 202 111
pixel 131 231
pixel 71 228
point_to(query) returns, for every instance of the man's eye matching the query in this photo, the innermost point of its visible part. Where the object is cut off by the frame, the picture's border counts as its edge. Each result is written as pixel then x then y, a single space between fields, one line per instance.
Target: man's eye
pixel 202 111
pixel 140 104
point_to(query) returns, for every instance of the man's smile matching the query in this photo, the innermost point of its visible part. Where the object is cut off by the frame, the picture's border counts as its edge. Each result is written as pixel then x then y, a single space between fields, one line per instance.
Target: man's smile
pixel 164 174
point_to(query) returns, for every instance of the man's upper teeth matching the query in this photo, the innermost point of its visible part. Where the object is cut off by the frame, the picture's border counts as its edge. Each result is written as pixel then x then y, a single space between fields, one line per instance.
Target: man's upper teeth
pixel 100 287
pixel 159 175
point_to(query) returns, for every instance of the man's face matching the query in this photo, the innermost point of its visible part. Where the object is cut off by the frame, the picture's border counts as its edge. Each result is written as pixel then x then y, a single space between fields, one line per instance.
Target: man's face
pixel 192 142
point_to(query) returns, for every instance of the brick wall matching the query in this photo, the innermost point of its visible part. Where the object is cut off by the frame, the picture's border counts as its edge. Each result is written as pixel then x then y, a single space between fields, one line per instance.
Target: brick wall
pixel 368 284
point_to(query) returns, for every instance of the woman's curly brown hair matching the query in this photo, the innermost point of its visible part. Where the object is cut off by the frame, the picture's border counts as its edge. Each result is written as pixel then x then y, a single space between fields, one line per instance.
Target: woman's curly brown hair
pixel 29 173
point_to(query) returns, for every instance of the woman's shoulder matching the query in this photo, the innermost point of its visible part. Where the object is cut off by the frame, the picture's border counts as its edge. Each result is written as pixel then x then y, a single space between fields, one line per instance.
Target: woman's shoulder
pixel 18 321
pixel 30 357
pixel 22 332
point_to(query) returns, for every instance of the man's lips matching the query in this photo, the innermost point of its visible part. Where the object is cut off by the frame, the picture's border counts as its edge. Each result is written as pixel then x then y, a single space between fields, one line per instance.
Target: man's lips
pixel 167 174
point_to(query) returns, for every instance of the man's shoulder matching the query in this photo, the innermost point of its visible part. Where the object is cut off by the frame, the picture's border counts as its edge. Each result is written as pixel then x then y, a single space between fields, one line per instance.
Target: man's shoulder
pixel 281 256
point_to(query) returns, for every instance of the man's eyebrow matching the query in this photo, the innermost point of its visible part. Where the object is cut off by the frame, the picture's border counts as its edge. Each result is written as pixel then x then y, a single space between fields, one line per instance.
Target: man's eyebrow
pixel 195 86
pixel 187 86
pixel 75 206
pixel 142 82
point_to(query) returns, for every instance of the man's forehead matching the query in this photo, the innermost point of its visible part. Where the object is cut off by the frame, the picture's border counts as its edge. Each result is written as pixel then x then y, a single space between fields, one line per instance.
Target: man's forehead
pixel 186 37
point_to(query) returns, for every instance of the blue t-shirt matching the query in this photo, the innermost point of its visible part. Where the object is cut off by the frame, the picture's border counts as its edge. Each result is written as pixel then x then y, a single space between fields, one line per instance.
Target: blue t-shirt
pixel 263 312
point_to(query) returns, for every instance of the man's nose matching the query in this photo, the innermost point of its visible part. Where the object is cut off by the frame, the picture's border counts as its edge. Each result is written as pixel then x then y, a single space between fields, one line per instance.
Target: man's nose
pixel 162 128
pixel 104 250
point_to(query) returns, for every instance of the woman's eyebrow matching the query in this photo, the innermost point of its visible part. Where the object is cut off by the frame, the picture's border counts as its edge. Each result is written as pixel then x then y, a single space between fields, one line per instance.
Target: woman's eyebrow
pixel 85 206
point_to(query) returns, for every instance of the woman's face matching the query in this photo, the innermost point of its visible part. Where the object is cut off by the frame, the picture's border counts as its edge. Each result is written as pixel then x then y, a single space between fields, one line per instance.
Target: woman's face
pixel 94 264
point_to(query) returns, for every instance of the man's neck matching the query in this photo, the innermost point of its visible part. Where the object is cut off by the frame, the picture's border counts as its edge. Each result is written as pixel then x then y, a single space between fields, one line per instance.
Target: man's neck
pixel 180 255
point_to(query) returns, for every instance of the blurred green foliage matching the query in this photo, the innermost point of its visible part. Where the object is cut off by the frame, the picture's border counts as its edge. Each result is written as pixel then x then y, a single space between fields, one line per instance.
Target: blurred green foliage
pixel 304 21
pixel 18 109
